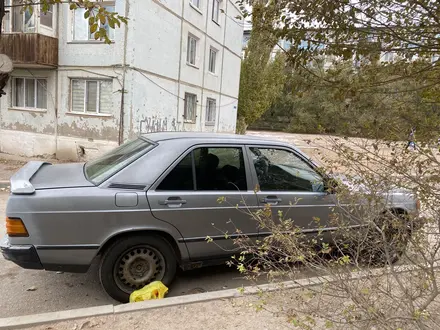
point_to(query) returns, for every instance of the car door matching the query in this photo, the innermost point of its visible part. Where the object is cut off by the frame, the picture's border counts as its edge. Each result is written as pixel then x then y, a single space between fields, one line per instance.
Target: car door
pixel 207 193
pixel 292 186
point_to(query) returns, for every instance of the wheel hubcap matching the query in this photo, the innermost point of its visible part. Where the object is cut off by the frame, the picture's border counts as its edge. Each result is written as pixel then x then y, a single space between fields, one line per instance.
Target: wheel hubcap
pixel 138 267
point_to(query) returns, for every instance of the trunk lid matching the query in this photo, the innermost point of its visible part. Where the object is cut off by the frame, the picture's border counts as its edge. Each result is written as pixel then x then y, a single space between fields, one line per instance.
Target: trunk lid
pixel 37 175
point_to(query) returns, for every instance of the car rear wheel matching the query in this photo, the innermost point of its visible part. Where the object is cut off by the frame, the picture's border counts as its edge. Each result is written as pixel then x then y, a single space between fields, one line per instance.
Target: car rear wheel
pixel 135 261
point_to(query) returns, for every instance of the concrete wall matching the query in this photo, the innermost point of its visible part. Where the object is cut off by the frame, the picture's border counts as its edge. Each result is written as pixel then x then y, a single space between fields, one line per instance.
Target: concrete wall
pixel 156 79
pixel 87 53
pixel 28 132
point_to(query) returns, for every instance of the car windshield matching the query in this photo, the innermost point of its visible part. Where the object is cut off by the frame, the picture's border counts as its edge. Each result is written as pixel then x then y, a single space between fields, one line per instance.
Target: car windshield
pixel 99 170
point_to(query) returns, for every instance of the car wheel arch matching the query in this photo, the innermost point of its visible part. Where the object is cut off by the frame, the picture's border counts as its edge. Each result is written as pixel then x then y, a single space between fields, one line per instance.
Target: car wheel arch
pixel 405 214
pixel 147 232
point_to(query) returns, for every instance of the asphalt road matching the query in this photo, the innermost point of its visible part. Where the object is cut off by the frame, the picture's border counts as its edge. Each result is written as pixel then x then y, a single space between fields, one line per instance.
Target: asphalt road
pixel 61 291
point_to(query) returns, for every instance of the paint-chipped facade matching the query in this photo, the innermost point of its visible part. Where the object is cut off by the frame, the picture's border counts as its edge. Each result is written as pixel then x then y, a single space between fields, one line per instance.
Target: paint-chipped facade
pixel 175 67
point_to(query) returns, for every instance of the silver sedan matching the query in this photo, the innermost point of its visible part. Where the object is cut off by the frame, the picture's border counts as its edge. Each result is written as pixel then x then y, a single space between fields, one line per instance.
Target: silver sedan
pixel 147 207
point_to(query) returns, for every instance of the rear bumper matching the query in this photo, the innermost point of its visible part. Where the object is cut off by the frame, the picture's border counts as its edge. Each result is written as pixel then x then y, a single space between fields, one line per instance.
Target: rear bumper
pixel 24 256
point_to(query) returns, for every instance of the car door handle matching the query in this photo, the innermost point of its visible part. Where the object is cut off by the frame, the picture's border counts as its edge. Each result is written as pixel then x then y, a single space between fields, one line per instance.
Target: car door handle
pixel 174 201
pixel 271 200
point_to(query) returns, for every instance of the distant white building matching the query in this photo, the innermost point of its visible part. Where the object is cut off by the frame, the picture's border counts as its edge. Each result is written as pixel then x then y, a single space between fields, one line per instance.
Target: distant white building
pixel 176 66
pixel 284 45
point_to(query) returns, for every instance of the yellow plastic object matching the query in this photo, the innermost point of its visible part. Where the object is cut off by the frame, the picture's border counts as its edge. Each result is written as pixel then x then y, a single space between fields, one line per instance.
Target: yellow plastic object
pixel 154 290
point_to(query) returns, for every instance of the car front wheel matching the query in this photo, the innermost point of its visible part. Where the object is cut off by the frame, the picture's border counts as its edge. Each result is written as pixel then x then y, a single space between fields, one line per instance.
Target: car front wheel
pixel 388 246
pixel 135 261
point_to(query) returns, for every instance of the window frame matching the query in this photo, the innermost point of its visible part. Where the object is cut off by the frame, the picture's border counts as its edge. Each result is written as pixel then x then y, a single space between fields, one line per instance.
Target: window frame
pixel 9 18
pixel 98 94
pixel 51 11
pixel 196 4
pixel 188 50
pixel 212 51
pixel 14 90
pixel 185 107
pixel 216 10
pixel 208 101
pixel 90 36
pixel 6 20
pixel 185 153
pixel 301 156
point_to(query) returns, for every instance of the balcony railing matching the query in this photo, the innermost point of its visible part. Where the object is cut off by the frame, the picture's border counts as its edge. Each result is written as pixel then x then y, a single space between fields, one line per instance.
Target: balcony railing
pixel 30 49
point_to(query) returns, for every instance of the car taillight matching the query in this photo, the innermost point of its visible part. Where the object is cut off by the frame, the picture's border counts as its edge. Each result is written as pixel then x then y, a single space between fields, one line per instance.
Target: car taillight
pixel 16 228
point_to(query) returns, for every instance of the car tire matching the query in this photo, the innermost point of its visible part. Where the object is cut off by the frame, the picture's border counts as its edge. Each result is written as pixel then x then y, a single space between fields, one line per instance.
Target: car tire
pixel 382 253
pixel 141 254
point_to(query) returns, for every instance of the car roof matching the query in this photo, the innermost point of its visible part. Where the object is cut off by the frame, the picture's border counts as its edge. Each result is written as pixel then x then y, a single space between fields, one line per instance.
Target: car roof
pixel 201 137
pixel 216 137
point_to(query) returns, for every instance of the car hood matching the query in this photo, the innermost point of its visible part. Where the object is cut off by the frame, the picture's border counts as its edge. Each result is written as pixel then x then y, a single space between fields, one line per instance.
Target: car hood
pixel 354 183
pixel 55 176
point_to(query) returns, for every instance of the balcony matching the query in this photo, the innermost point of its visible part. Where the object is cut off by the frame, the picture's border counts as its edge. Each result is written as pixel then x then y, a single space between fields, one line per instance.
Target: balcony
pixel 30 50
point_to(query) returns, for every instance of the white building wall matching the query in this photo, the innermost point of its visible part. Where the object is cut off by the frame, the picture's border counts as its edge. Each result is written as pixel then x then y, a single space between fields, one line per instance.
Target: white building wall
pixel 157 76
pixel 154 38
pixel 153 105
pixel 215 30
pixel 28 132
pixel 189 73
pixel 227 110
pixel 87 53
pixel 231 67
pixel 212 81
pixel 80 130
pixel 197 16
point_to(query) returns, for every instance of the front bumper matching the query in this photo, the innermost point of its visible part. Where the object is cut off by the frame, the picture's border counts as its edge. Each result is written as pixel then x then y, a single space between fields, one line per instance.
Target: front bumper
pixel 24 256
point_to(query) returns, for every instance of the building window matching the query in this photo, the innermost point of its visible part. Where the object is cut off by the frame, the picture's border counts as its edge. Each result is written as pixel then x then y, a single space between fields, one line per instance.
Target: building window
pixel 212 60
pixel 215 10
pixel 388 57
pixel 192 50
pixel 6 23
pixel 16 20
pixel 190 109
pixel 81 29
pixel 211 105
pixel 91 96
pixel 195 3
pixel 29 93
pixel 46 18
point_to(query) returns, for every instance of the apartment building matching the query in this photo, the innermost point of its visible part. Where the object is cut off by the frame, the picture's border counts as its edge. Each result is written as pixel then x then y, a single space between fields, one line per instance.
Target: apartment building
pixel 329 60
pixel 174 67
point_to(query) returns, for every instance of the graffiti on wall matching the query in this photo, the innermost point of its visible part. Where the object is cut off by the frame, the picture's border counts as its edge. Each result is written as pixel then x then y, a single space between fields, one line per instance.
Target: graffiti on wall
pixel 156 124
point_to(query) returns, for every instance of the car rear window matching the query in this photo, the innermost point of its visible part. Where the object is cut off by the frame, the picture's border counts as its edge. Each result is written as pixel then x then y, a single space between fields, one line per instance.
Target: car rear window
pixel 99 170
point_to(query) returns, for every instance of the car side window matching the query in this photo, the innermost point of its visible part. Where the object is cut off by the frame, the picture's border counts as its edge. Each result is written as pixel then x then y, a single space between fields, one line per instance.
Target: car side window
pixel 282 170
pixel 180 178
pixel 220 168
pixel 216 168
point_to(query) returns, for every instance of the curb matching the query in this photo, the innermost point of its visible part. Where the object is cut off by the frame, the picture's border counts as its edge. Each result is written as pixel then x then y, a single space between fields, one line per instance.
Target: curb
pixel 19 322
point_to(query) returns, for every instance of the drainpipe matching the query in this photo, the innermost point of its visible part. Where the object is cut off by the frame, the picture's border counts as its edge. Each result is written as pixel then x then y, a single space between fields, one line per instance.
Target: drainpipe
pixel 58 15
pixel 124 69
pixel 179 119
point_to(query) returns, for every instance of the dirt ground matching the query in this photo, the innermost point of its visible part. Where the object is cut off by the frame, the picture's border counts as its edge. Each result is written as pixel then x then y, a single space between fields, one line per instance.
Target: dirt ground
pixel 9 164
pixel 237 314
pixel 9 167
